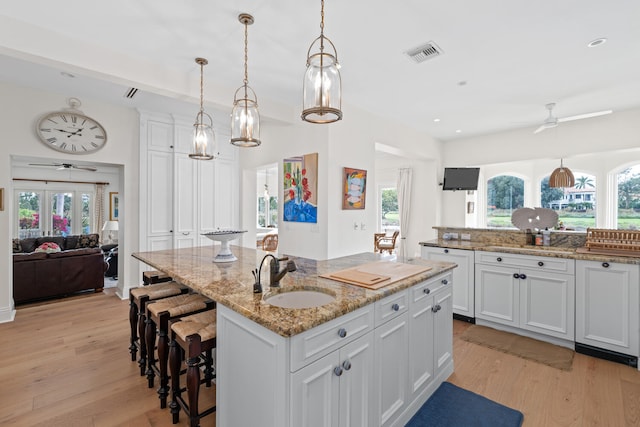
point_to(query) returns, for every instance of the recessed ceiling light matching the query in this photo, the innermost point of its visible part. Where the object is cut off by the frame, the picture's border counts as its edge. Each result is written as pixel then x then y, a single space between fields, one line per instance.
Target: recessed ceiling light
pixel 65 74
pixel 462 83
pixel 436 120
pixel 597 42
pixel 458 131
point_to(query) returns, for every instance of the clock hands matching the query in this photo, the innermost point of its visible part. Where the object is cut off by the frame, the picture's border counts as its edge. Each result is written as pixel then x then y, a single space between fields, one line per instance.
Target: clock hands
pixel 76 132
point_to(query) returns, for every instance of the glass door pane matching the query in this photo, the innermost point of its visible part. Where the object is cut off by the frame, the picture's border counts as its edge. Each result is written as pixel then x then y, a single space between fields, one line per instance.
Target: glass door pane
pixel 29 204
pixel 86 214
pixel 61 213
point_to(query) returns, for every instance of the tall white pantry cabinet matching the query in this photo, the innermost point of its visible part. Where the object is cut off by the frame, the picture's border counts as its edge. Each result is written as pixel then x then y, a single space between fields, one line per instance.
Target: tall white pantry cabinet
pixel 181 198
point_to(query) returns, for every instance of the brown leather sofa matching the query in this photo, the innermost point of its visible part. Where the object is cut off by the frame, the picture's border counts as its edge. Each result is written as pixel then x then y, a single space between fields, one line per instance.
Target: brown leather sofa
pixel 79 266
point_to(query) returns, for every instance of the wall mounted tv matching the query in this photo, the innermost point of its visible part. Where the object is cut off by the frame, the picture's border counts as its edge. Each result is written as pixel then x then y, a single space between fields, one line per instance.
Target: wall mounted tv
pixel 460 178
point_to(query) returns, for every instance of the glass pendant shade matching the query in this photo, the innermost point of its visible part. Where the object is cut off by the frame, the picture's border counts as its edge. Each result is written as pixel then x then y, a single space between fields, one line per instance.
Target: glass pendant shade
pixel 245 118
pixel 322 85
pixel 561 177
pixel 203 136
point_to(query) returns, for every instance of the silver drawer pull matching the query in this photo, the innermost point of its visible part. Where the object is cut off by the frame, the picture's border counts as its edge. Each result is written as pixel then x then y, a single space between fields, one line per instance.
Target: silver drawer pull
pixel 342 332
pixel 337 370
pixel 346 365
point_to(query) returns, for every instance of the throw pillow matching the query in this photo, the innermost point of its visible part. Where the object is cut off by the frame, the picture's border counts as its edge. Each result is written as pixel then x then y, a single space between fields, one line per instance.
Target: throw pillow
pixel 28 245
pixel 88 241
pixel 48 247
pixel 17 247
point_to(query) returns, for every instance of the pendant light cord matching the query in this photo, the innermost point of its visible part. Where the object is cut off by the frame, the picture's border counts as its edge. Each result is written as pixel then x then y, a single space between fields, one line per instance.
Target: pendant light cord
pixel 201 86
pixel 246 57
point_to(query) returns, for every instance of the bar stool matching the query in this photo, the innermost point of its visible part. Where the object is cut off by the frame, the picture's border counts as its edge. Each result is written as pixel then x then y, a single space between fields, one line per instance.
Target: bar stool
pixel 151 277
pixel 138 298
pixel 193 339
pixel 159 313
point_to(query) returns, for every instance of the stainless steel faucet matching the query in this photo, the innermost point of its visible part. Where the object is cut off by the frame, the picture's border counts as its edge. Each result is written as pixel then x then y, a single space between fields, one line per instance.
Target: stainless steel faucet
pixel 275 274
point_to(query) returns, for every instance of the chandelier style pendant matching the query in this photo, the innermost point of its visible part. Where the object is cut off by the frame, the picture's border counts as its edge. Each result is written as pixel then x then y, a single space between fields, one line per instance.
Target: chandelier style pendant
pixel 322 86
pixel 203 136
pixel 561 177
pixel 245 117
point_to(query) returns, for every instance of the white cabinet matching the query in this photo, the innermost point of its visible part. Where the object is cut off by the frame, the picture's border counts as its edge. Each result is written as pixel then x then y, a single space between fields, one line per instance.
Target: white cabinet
pixel 607 306
pixel 430 333
pixel 526 292
pixel 335 390
pixel 392 356
pixel 183 198
pixel 463 276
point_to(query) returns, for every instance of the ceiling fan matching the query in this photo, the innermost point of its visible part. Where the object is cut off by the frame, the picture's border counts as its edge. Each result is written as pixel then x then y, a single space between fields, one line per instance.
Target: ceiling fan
pixel 63 166
pixel 552 121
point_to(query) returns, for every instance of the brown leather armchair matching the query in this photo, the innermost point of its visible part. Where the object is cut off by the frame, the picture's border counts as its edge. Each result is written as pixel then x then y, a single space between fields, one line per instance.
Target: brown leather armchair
pixel 382 242
pixel 270 242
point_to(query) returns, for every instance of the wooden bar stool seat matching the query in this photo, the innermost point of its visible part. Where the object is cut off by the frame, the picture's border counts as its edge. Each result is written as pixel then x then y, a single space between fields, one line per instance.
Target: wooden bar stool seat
pixel 193 339
pixel 138 298
pixel 158 315
pixel 151 277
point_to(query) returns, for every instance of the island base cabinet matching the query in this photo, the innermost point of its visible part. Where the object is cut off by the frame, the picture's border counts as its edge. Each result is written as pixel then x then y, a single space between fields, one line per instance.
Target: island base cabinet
pixel 391 341
pixel 608 305
pixel 335 390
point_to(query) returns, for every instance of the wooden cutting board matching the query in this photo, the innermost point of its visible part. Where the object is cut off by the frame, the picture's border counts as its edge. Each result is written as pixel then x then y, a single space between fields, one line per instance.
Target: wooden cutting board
pixel 376 275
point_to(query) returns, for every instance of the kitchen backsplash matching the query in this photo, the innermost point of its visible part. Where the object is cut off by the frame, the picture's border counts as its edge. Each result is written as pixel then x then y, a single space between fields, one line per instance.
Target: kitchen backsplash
pixel 496 236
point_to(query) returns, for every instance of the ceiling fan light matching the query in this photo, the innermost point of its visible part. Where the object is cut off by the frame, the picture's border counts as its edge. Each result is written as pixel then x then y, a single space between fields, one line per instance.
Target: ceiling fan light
pixel 561 177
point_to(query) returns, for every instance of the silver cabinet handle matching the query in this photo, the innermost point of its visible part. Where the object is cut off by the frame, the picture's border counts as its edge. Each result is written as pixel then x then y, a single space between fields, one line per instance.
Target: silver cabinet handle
pixel 342 332
pixel 346 365
pixel 337 370
pixel 395 307
pixel 426 291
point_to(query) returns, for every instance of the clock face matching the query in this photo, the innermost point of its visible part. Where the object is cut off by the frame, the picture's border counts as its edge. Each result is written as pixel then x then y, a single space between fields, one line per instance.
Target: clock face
pixel 71 132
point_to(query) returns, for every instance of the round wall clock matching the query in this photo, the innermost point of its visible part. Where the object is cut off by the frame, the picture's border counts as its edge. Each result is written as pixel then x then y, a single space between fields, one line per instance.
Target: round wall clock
pixel 71 131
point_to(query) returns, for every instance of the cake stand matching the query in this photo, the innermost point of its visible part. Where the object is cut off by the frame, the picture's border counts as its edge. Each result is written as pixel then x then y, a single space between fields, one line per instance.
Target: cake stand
pixel 224 237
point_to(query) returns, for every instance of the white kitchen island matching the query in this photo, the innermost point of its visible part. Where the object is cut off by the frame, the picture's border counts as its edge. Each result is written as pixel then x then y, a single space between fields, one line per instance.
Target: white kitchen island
pixel 370 357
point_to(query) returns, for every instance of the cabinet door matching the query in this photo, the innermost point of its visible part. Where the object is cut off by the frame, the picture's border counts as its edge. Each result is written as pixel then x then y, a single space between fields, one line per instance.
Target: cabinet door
pixel 607 305
pixel 547 303
pixel 497 294
pixel 315 393
pixel 356 383
pixel 443 329
pixel 186 202
pixel 463 280
pixel 159 193
pixel 421 331
pixel 391 369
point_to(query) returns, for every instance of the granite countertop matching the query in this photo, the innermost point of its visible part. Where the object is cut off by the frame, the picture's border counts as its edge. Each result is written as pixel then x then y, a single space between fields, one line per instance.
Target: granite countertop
pixel 231 284
pixel 548 251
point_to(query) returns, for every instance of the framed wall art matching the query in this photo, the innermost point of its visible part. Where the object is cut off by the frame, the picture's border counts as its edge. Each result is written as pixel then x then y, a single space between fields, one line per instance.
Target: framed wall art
pixel 113 206
pixel 354 183
pixel 300 181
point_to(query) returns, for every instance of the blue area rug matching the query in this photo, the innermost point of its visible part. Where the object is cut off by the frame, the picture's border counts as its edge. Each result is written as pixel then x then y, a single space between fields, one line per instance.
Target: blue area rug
pixel 452 406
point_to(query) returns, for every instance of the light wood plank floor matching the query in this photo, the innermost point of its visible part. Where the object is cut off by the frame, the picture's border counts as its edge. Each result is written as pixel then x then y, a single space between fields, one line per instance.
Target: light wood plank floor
pixel 66 363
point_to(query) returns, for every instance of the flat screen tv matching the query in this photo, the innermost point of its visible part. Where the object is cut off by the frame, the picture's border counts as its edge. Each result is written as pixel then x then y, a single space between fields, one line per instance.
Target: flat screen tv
pixel 460 178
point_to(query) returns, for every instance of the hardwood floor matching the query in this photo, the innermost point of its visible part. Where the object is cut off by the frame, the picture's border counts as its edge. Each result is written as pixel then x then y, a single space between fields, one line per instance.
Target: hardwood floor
pixel 66 364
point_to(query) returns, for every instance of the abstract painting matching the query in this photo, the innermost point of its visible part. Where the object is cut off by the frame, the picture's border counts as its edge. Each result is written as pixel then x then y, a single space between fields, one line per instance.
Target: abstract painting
pixel 353 188
pixel 300 182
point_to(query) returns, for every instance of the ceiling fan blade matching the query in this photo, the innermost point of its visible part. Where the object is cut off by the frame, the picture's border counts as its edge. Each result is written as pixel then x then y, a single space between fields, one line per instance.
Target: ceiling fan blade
pixel 45 164
pixel 540 129
pixel 86 168
pixel 585 116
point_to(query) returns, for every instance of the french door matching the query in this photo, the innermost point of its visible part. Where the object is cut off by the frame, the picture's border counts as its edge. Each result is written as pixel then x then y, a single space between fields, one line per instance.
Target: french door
pixel 54 212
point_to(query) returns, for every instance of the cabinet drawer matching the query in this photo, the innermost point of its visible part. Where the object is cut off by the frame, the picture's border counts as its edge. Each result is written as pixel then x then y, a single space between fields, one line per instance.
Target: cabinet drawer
pixel 527 261
pixel 313 344
pixel 390 307
pixel 429 287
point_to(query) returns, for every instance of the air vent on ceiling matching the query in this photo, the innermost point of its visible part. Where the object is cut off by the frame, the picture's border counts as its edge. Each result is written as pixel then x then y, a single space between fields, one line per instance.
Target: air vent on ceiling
pixel 424 52
pixel 131 92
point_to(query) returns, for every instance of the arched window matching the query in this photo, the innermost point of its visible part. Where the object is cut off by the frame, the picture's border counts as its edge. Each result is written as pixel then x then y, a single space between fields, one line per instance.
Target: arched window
pixel 576 206
pixel 505 193
pixel 628 182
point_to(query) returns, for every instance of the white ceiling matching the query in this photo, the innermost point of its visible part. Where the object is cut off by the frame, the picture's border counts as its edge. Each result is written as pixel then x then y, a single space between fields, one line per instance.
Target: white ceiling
pixel 514 56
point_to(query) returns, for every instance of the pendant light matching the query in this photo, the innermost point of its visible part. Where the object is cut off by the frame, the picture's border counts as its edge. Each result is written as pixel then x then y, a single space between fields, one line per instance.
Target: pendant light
pixel 245 117
pixel 203 136
pixel 561 177
pixel 322 86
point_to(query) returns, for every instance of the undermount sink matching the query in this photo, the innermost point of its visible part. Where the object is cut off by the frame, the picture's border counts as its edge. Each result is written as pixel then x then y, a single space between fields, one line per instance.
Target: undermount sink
pixel 300 299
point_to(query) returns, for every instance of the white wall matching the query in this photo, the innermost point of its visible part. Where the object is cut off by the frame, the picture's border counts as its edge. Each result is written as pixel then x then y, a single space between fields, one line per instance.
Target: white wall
pixel 21 109
pixel 348 143
pixel 599 146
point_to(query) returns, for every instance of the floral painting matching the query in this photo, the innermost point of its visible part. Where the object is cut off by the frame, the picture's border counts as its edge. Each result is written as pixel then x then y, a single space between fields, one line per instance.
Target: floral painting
pixel 353 188
pixel 301 188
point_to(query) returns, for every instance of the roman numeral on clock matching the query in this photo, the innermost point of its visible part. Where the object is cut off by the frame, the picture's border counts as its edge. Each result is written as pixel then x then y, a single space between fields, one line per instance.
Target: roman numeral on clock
pixel 52 140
